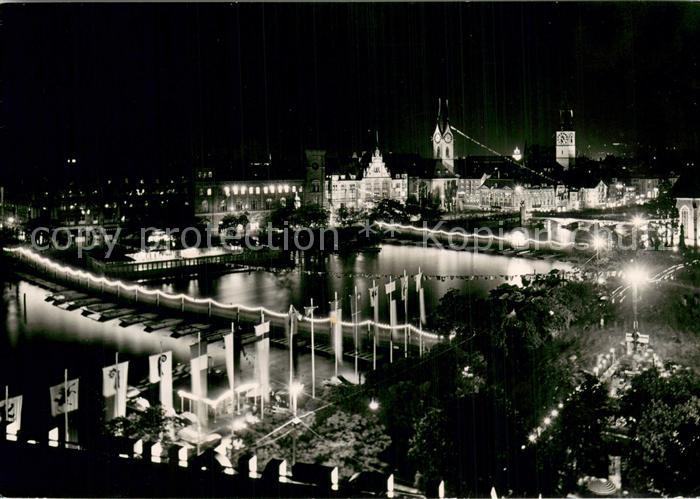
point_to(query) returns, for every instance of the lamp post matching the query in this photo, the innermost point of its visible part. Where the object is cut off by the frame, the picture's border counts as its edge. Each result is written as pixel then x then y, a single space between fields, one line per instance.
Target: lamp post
pixel 636 277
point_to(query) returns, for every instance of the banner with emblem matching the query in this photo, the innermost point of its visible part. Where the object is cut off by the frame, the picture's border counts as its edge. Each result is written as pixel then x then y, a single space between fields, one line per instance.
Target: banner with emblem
pixel 114 384
pixel 161 370
pixel 11 411
pixel 373 295
pixel 229 354
pixel 404 288
pixel 64 397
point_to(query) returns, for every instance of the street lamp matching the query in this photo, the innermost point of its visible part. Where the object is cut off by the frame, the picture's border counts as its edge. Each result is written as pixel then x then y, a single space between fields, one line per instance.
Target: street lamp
pixel 295 389
pixel 373 405
pixel 598 243
pixel 637 221
pixel 636 276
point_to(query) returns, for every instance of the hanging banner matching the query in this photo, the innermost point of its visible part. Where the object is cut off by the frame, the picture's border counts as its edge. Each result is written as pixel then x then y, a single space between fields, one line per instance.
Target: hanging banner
pixel 336 320
pixel 229 354
pixel 390 287
pixel 64 397
pixel 373 296
pixel 419 281
pixel 161 370
pixel 12 411
pixel 421 299
pixel 114 384
pixel 262 358
pixel 198 370
pixel 404 288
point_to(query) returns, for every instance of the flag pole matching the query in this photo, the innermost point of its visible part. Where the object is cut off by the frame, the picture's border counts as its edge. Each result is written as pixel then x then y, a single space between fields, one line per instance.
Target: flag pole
pixel 404 295
pixel 357 376
pixel 233 379
pixel 335 332
pixel 65 394
pixel 116 377
pixel 260 387
pixel 313 352
pixel 290 321
pixel 376 325
pixel 199 389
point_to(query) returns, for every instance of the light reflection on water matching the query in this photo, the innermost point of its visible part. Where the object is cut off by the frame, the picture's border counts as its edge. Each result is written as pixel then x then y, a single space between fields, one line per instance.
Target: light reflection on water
pixel 34 353
pixel 277 291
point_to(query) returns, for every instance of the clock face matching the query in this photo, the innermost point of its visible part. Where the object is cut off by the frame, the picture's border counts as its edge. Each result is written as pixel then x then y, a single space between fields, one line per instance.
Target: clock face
pixel 314 166
pixel 565 138
pixel 436 138
pixel 448 138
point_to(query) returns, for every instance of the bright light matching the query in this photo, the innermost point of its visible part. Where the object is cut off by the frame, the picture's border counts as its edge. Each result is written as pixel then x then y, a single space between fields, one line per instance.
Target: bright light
pixel 637 276
pixel 11 220
pixel 517 156
pixel 637 221
pixel 598 243
pixel 518 239
pixel 295 389
pixel 373 405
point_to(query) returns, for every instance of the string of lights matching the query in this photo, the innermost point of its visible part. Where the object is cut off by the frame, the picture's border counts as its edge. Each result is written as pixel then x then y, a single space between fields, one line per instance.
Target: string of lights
pixel 507 158
pixel 82 274
pixel 516 238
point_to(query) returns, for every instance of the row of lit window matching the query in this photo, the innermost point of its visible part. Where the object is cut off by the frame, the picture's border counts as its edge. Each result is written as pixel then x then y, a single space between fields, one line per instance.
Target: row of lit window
pixel 266 189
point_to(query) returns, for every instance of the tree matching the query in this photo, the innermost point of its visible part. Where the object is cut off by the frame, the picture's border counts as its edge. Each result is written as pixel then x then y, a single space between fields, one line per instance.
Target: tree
pixel 575 445
pixel 151 425
pixel 390 211
pixel 663 416
pixel 353 442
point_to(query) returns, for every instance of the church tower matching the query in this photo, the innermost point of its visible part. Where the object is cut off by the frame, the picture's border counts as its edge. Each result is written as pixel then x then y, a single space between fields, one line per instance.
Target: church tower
pixel 566 139
pixel 443 138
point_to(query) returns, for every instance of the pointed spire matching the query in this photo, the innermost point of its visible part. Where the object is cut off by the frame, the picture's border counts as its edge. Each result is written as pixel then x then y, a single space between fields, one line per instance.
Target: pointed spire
pixel 439 113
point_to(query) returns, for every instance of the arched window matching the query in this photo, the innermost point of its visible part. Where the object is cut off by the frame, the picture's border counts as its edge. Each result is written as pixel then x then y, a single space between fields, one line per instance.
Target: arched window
pixel 685 220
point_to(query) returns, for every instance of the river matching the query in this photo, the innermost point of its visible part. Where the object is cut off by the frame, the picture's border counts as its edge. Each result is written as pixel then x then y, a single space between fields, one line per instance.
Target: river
pixel 35 351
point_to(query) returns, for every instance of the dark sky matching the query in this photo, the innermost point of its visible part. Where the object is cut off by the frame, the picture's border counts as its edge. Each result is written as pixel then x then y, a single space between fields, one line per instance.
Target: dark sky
pixel 157 88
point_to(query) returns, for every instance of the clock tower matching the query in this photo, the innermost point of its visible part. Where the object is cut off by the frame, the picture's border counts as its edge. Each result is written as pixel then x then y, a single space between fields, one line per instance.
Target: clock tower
pixel 566 139
pixel 443 138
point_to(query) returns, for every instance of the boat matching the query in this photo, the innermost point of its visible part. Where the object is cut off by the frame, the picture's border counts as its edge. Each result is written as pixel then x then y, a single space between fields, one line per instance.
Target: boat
pixel 161 324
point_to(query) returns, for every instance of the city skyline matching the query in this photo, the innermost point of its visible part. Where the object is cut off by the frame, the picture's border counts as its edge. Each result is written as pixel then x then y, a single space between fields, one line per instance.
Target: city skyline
pixel 242 82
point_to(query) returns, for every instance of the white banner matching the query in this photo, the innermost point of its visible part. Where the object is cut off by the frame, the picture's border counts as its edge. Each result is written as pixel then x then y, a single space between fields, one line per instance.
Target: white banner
pixel 64 397
pixel 161 370
pixel 262 358
pixel 336 319
pixel 390 287
pixel 421 299
pixel 229 353
pixel 12 411
pixel 114 384
pixel 419 281
pixel 404 288
pixel 373 296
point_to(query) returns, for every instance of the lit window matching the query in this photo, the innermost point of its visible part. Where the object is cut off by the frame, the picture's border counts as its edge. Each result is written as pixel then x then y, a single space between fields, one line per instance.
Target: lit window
pixel 235 189
pixel 257 190
pixel 250 190
pixel 266 189
pixel 209 192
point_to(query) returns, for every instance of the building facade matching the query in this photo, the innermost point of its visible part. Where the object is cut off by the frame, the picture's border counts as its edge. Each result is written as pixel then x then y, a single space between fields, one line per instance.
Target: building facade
pixel 376 183
pixel 257 197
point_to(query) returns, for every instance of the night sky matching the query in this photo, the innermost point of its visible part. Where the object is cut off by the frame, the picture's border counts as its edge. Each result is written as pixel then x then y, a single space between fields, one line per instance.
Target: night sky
pixel 161 88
